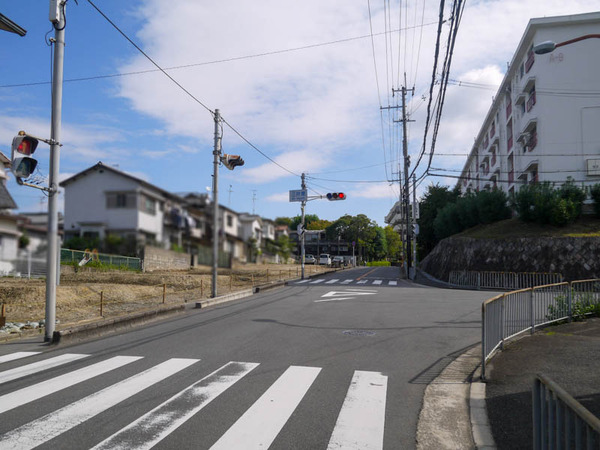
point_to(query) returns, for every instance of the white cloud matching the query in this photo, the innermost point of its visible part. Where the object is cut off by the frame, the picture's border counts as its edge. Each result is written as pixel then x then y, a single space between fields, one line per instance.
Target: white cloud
pixel 279 197
pixel 373 191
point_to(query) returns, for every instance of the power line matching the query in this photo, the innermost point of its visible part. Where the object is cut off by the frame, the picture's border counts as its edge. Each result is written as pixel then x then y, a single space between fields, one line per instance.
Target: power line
pixel 206 63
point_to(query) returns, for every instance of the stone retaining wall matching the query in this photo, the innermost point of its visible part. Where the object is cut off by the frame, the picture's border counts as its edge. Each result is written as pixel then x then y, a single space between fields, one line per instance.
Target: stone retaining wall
pixel 574 258
pixel 159 259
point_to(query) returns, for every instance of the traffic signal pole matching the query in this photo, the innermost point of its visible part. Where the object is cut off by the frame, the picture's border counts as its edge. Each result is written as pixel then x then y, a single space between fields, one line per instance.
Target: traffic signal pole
pixel 406 185
pixel 303 205
pixel 217 155
pixel 53 238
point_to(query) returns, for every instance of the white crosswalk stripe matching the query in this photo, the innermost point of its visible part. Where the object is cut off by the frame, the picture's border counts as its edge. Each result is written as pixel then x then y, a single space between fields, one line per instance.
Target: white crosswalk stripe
pixel 362 282
pixel 360 421
pixel 377 281
pixel 29 369
pixel 51 425
pixel 31 393
pixel 335 280
pixel 393 283
pixel 317 281
pixel 302 281
pixel 17 355
pixel 347 281
pixel 153 427
pixel 259 426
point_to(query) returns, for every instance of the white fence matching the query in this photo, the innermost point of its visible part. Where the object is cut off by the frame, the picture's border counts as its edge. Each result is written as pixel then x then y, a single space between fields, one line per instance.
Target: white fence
pixel 501 280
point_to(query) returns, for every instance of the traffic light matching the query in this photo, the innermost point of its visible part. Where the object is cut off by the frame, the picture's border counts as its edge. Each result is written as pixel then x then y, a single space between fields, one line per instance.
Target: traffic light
pixel 336 196
pixel 23 146
pixel 232 161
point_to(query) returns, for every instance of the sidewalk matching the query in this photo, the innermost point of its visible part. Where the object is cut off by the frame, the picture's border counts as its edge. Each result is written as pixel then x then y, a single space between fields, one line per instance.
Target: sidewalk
pixel 569 354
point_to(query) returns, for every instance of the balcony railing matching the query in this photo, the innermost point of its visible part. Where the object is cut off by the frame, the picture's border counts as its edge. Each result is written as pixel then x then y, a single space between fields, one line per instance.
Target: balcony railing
pixel 532 142
pixel 511 176
pixel 493 160
pixel 508 110
pixel 492 131
pixel 509 143
pixel 531 101
pixel 530 61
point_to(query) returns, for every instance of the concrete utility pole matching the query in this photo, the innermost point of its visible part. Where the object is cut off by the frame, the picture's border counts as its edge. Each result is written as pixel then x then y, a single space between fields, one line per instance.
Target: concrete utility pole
pixel 53 254
pixel 406 181
pixel 303 205
pixel 217 157
pixel 414 221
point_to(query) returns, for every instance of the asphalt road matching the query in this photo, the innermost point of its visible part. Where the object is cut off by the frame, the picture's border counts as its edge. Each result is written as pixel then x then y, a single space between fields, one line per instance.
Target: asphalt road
pixel 309 366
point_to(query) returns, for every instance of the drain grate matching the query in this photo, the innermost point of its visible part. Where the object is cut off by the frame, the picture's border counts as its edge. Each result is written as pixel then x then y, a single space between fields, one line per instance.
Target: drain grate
pixel 359 333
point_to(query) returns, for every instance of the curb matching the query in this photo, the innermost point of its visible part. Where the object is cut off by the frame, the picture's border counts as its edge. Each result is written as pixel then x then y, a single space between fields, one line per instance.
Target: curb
pixel 454 395
pixel 103 327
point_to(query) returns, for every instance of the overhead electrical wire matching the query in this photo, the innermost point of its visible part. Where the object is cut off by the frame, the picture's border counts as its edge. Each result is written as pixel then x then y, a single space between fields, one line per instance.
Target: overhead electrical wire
pixel 247 141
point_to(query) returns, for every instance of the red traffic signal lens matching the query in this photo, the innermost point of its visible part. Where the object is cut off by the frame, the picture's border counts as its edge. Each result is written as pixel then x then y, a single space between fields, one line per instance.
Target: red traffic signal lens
pixel 25 145
pixel 341 196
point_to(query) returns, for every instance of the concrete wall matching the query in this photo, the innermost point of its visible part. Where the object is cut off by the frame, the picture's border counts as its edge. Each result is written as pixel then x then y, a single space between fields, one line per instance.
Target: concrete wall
pixel 574 258
pixel 159 259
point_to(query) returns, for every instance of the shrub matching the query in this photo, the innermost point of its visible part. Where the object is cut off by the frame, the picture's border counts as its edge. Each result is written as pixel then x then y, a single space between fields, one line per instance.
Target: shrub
pixel 378 263
pixel 447 222
pixel 492 206
pixel 467 211
pixel 543 204
pixel 574 194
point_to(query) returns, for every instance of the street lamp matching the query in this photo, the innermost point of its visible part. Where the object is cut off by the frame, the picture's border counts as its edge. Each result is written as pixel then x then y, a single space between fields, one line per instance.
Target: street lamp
pixel 549 46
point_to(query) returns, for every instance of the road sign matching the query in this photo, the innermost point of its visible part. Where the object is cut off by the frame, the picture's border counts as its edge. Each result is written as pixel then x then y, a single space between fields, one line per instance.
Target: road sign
pixel 299 195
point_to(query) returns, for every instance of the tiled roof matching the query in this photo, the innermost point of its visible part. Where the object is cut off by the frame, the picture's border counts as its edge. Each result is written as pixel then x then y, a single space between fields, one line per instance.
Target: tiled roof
pixel 6 201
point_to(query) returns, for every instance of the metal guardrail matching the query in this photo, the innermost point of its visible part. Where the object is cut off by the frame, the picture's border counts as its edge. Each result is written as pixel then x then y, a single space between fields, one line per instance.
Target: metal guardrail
pixel 560 421
pixel 502 280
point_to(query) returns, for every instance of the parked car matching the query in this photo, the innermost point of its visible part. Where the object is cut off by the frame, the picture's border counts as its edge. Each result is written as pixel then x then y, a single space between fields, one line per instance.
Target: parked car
pixel 325 259
pixel 338 261
pixel 309 259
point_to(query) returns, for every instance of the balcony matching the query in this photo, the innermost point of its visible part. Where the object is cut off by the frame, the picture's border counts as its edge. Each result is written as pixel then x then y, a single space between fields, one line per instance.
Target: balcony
pixel 508 110
pixel 509 143
pixel 511 177
pixel 531 101
pixel 530 61
pixel 493 163
pixel 493 130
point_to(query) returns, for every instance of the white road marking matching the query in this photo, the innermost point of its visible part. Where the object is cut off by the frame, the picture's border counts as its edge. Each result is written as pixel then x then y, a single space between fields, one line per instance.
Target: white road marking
pixel 347 281
pixel 362 282
pixel 393 283
pixel 332 281
pixel 303 281
pixel 17 355
pixel 39 390
pixel 13 374
pixel 157 424
pixel 333 299
pixel 317 281
pixel 55 423
pixel 377 282
pixel 361 421
pixel 259 426
pixel 347 292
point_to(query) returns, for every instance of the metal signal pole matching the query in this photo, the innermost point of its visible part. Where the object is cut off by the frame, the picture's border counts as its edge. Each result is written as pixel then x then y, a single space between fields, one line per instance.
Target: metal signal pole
pixel 53 251
pixel 217 156
pixel 303 205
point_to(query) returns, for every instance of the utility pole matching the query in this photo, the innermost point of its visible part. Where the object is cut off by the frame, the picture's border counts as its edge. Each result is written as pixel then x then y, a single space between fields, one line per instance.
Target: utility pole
pixel 217 157
pixel 406 189
pixel 230 191
pixel 303 205
pixel 414 220
pixel 53 254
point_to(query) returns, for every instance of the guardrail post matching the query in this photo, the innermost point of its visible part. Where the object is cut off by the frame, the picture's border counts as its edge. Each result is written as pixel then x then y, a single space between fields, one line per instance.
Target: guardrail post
pixel 537 419
pixel 570 301
pixel 502 321
pixel 164 292
pixel 531 313
pixel 483 341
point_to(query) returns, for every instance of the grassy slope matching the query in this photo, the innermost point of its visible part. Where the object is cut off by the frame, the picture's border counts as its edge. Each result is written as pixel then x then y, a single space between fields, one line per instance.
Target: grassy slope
pixel 514 228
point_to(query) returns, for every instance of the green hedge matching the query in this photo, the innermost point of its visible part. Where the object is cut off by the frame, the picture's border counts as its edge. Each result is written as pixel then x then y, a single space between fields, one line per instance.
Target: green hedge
pixel 378 263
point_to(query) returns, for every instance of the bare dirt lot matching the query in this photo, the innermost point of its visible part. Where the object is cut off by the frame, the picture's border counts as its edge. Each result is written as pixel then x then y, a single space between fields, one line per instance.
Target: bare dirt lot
pixel 92 295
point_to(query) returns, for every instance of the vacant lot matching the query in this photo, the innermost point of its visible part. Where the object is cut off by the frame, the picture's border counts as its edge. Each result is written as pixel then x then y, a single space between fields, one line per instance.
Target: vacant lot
pixel 90 295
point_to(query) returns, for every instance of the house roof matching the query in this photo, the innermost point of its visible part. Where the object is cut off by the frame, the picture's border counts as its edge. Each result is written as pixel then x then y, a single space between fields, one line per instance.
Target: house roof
pixel 4 159
pixel 101 166
pixel 6 201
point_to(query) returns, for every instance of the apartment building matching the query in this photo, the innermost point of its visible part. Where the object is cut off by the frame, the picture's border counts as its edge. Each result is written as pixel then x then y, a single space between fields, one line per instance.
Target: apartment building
pixel 544 122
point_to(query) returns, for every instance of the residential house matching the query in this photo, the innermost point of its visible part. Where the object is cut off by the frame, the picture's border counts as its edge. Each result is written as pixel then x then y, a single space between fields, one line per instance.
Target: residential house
pixel 103 200
pixel 9 232
pixel 251 232
pixel 543 122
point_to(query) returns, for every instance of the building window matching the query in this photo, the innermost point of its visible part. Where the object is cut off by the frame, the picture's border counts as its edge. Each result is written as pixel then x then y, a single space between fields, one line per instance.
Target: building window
pixel 493 129
pixel 229 220
pixel 508 107
pixel 120 200
pixel 148 205
pixel 509 135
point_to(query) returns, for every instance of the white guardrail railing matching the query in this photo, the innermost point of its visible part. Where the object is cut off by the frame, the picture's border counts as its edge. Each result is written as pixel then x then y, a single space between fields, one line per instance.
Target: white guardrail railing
pixel 508 315
pixel 502 280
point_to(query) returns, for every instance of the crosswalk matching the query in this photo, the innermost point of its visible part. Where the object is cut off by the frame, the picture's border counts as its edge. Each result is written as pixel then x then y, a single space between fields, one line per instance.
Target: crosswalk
pixel 360 421
pixel 348 281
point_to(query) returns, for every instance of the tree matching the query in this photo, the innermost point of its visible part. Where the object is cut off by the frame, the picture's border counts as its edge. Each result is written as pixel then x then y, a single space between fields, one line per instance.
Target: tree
pixel 320 224
pixel 284 221
pixel 308 218
pixel 435 199
pixel 394 244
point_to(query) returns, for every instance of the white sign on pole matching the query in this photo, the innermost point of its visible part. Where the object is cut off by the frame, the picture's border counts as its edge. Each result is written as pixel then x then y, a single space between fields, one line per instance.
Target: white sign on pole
pixel 299 195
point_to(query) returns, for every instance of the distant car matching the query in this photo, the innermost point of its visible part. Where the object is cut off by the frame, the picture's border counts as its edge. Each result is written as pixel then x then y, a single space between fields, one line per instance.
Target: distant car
pixel 337 261
pixel 325 259
pixel 309 259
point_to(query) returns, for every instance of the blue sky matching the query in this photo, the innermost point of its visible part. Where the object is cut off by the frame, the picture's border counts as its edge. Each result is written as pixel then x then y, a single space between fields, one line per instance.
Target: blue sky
pixel 312 108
